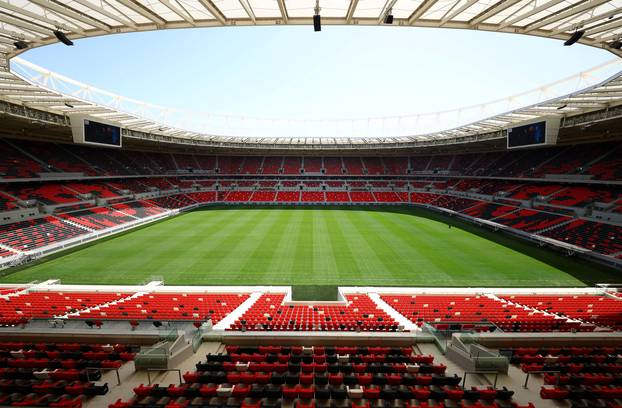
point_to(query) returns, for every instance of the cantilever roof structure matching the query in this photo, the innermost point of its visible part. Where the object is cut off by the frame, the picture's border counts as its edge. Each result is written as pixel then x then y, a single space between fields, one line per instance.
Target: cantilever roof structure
pixel 32 23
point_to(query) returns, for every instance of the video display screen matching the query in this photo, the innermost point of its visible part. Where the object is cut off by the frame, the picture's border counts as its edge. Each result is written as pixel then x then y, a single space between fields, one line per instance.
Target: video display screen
pixel 95 132
pixel 526 135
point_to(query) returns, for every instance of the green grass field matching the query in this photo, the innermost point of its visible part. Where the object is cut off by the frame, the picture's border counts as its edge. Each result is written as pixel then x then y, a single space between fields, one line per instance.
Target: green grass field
pixel 356 246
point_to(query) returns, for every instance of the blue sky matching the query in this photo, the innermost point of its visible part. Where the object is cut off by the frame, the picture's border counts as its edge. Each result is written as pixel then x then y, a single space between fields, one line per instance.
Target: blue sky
pixel 341 72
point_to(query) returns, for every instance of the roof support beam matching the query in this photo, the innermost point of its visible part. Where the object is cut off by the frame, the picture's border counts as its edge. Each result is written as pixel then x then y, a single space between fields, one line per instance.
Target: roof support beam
pixel 603 16
pixel 181 13
pixel 568 13
pixel 457 11
pixel 496 9
pixel 148 14
pixel 47 4
pixel 37 17
pixel 535 10
pixel 605 27
pixel 388 5
pixel 15 22
pixel 215 11
pixel 351 10
pixel 106 13
pixel 283 10
pixel 249 10
pixel 421 10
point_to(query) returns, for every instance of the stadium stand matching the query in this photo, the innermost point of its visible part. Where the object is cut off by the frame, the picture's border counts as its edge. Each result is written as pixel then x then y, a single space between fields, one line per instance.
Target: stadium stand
pixel 447 309
pixel 168 306
pixel 548 208
pixel 269 313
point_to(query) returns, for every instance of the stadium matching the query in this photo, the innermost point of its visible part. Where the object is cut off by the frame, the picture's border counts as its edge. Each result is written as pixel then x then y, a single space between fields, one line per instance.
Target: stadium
pixel 463 258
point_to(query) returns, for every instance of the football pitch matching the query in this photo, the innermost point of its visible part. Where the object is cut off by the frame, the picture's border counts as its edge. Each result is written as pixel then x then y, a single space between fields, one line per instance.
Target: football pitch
pixel 315 246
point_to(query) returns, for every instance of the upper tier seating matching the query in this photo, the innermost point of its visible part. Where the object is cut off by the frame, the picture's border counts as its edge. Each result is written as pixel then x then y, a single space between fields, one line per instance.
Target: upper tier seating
pixel 447 309
pixel 170 306
pixel 359 314
pixel 597 159
pixel 272 165
pixel 373 165
pixel 600 310
pixel 58 157
pixel 291 165
pixel 396 165
pixel 440 163
pixel 574 159
pixel 333 165
pixel 15 164
pixel 230 165
pixel 353 165
pixel 251 165
pixel 206 163
pixel 37 233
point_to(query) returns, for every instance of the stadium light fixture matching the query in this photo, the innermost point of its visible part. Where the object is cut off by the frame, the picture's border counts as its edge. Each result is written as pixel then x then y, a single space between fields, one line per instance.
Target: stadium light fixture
pixel 20 45
pixel 317 20
pixel 62 37
pixel 576 36
pixel 388 18
pixel 616 45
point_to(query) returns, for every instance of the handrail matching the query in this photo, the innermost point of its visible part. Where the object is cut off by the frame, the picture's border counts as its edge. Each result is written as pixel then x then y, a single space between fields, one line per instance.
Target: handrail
pixel 149 370
pixel 116 370
pixel 494 384
pixel 540 372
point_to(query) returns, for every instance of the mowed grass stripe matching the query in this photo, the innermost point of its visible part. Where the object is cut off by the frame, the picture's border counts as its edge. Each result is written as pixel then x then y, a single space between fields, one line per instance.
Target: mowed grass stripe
pixel 281 267
pixel 323 255
pixel 373 246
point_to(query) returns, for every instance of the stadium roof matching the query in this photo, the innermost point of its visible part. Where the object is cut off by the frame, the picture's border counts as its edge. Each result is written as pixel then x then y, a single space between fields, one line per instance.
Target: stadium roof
pixel 32 23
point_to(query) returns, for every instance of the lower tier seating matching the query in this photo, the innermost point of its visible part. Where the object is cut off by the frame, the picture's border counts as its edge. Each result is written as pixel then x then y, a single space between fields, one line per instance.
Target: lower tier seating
pixel 57 374
pixel 450 309
pixel 359 314
pixel 98 218
pixel 19 308
pixel 196 307
pixel 317 376
pixel 601 310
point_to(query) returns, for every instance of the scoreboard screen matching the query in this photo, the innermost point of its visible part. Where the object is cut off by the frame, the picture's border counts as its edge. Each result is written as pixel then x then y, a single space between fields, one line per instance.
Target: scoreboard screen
pixel 527 135
pixel 100 133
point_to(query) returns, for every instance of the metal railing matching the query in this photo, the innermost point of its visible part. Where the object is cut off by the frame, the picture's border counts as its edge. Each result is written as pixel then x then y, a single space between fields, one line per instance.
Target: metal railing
pixel 494 383
pixel 150 370
pixel 90 369
pixel 540 372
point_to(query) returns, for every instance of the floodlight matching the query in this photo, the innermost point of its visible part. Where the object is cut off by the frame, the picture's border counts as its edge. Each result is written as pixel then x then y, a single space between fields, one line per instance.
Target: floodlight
pixel 62 37
pixel 576 36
